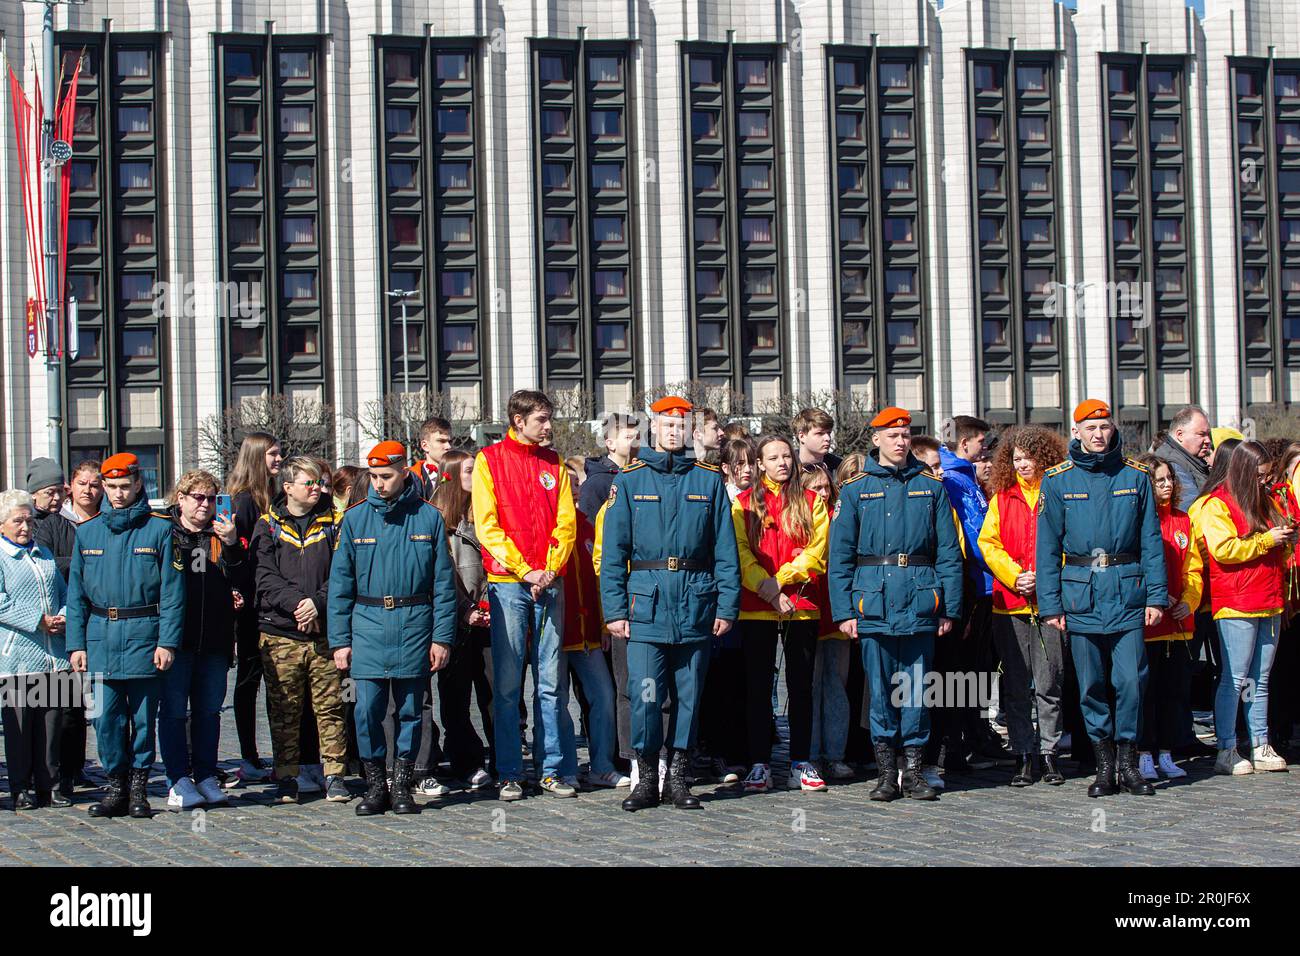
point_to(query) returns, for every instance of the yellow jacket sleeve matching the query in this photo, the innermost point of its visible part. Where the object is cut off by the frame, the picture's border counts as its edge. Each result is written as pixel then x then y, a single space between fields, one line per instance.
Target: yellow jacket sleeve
pixel 961 533
pixel 1193 576
pixel 812 560
pixel 487 528
pixel 751 572
pixel 1216 526
pixel 1005 568
pixel 566 525
pixel 595 542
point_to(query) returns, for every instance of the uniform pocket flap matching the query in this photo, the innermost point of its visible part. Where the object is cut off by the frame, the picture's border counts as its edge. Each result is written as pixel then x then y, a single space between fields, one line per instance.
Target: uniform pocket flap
pixel 1071 572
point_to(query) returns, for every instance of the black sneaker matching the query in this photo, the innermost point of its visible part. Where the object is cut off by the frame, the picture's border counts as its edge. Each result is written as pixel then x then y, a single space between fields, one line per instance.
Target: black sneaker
pixel 336 791
pixel 286 791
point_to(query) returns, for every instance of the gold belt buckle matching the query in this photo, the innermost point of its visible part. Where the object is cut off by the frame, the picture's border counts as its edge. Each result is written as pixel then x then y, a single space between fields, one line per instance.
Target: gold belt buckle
pixel 389 602
pixel 112 614
pixel 1103 560
pixel 902 560
pixel 674 563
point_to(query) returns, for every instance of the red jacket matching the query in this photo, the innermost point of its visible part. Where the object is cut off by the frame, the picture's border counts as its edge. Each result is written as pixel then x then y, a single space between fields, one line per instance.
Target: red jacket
pixel 1180 548
pixel 582 617
pixel 525 482
pixel 1018 532
pixel 1284 497
pixel 1251 586
pixel 775 549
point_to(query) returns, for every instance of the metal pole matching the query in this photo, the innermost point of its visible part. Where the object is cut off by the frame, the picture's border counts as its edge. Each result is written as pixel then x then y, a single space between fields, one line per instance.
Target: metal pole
pixel 49 172
pixel 406 351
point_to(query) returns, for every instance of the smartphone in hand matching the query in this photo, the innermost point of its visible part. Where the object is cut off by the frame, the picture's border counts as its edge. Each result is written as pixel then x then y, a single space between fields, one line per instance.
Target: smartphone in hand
pixel 224 510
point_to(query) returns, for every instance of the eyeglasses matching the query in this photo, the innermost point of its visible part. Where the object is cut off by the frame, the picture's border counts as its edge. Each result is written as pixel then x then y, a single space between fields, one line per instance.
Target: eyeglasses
pixel 201 499
pixel 312 483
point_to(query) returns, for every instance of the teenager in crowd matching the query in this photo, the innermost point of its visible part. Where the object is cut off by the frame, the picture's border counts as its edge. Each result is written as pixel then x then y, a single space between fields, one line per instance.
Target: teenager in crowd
pixel 706 435
pixel 739 465
pixel 830 711
pixel 345 479
pixel 1247 541
pixel 622 436
pixel 781 534
pixel 1032 655
pixel 1169 659
pixel 252 489
pixel 813 431
pixel 1286 662
pixel 733 430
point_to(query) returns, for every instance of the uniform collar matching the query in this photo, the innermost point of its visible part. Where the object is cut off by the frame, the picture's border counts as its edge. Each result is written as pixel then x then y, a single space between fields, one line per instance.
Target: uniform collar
pixel 677 462
pixel 1103 461
pixel 909 469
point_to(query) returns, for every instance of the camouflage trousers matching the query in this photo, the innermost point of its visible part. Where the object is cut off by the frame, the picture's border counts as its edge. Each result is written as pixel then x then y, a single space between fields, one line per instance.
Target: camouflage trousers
pixel 294 669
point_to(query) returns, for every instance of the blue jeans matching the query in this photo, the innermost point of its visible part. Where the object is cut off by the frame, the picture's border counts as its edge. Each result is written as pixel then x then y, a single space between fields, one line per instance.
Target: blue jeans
pixel 1246 647
pixel 196 681
pixel 830 715
pixel 372 705
pixel 135 700
pixel 516 616
pixel 593 673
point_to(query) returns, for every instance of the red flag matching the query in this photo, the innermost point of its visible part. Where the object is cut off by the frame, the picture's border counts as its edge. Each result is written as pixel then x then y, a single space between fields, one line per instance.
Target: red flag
pixel 28 141
pixel 33 329
pixel 63 126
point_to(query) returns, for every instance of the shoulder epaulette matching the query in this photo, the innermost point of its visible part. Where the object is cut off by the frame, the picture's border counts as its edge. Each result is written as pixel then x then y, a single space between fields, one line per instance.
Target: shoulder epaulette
pixel 861 474
pixel 935 477
pixel 97 514
pixel 1134 463
pixel 160 514
pixel 359 504
pixel 717 469
pixel 632 466
pixel 1057 469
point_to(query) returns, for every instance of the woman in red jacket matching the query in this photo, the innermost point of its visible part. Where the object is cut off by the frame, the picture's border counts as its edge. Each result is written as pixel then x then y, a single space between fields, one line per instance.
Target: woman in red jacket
pixel 1246 540
pixel 1284 679
pixel 781 536
pixel 1169 661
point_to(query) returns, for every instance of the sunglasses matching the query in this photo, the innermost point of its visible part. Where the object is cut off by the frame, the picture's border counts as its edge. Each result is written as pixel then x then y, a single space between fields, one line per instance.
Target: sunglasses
pixel 201 499
pixel 312 483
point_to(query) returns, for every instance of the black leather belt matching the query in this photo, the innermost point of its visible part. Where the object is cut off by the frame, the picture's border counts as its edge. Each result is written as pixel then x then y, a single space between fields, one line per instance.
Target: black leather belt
pixel 1100 560
pixel 118 613
pixel 669 564
pixel 388 602
pixel 894 560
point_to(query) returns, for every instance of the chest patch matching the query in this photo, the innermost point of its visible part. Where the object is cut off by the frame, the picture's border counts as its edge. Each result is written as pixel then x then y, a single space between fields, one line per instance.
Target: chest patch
pixel 363 540
pixel 866 495
pixel 1075 496
pixel 421 537
pixel 645 497
pixel 836 513
pixel 144 551
pixel 927 493
pixel 548 480
pixel 1180 539
pixel 91 552
pixel 697 498
pixel 1119 492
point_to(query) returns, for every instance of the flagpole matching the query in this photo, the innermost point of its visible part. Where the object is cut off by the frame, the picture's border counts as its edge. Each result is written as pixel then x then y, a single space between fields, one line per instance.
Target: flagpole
pixel 49 174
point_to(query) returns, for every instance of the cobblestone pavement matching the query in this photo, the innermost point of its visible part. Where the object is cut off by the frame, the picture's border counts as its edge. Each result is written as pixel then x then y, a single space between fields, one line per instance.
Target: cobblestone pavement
pixel 1203 819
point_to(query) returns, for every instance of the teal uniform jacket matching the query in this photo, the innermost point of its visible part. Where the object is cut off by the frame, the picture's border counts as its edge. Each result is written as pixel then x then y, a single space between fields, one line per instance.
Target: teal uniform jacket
pixel 125 558
pixel 886 511
pixel 396 549
pixel 668 505
pixel 1091 504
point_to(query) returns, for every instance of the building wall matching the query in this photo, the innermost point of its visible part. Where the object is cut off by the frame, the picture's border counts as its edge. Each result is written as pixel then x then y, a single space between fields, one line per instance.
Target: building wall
pixel 802 29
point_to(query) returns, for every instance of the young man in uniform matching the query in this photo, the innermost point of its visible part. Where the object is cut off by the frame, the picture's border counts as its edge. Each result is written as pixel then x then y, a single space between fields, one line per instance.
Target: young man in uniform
pixel 126 614
pixel 895 576
pixel 1101 577
pixel 669 582
pixel 392 618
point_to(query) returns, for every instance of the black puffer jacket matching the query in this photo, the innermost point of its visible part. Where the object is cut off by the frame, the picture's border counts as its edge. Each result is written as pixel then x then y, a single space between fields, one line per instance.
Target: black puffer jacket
pixel 57 535
pixel 290 567
pixel 212 569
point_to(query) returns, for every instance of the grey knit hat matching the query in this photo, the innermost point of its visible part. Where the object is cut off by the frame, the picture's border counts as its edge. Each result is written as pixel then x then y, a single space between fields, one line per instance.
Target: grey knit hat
pixel 43 473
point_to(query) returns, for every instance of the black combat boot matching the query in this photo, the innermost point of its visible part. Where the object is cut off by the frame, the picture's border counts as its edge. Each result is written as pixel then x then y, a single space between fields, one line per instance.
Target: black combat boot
pixel 1024 775
pixel 1104 785
pixel 403 802
pixel 914 784
pixel 1051 773
pixel 646 792
pixel 678 788
pixel 114 803
pixel 887 763
pixel 376 799
pixel 140 808
pixel 1130 777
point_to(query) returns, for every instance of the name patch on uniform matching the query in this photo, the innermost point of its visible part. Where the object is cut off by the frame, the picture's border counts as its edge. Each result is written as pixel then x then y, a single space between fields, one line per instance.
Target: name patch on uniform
pixel 645 497
pixel 421 537
pixel 1075 496
pixel 921 494
pixel 1124 491
pixel 145 551
pixel 870 494
pixel 363 540
pixel 91 552
pixel 698 498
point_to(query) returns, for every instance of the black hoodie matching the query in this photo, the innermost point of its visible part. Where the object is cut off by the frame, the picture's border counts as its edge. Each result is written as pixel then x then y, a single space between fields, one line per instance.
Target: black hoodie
pixel 594 491
pixel 292 565
pixel 212 569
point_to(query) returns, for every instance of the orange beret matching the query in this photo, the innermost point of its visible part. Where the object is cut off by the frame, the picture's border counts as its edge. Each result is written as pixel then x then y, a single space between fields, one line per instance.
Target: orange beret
pixel 386 453
pixel 892 417
pixel 1091 408
pixel 672 405
pixel 122 465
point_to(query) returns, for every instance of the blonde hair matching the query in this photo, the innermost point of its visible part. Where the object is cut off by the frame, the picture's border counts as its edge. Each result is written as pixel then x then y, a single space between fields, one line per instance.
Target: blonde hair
pixel 850 466
pixel 297 466
pixel 796 516
pixel 198 478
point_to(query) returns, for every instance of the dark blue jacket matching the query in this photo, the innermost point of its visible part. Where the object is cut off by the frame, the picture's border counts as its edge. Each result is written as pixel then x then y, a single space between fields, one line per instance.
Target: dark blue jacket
pixel 392 548
pixel 886 511
pixel 1091 504
pixel 971 506
pixel 125 558
pixel 669 505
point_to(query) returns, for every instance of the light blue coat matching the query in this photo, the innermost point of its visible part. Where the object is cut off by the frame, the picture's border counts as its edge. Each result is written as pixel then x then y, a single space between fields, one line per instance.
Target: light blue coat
pixel 30 587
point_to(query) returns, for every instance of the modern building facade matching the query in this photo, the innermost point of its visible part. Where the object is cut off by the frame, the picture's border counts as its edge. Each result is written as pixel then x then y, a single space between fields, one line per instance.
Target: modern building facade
pixel 994 207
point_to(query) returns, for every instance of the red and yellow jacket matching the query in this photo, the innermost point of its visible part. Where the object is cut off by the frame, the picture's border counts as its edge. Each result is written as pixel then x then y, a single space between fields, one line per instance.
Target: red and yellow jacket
pixel 582 617
pixel 1007 541
pixel 1184 574
pixel 1283 494
pixel 523 509
pixel 1244 570
pixel 778 557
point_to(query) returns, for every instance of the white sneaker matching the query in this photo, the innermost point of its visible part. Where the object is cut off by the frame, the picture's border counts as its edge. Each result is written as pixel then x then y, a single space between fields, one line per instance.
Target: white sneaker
pixel 636 774
pixel 931 776
pixel 480 780
pixel 211 791
pixel 183 796
pixel 430 787
pixel 1147 767
pixel 759 779
pixel 663 768
pixel 841 771
pixel 804 776
pixel 1168 767
pixel 1232 763
pixel 1264 757
pixel 613 779
pixel 306 782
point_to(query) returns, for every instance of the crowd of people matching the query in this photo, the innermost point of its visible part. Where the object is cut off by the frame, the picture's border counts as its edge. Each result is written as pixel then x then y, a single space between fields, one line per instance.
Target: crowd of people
pixel 665 585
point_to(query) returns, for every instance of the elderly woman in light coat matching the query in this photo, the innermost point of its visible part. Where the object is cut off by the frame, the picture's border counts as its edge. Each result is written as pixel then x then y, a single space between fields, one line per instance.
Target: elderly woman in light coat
pixel 32 655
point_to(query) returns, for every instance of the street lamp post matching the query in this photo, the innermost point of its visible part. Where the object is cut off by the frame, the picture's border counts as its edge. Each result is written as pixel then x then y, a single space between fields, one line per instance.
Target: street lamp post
pixel 402 295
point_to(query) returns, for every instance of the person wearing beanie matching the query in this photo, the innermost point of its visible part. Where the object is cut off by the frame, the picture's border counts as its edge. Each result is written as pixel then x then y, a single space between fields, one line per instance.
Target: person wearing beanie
pixel 53 532
pixel 1100 564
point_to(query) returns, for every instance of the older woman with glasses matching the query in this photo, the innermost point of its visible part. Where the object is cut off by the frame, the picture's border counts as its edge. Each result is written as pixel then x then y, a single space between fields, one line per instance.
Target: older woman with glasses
pixel 32 621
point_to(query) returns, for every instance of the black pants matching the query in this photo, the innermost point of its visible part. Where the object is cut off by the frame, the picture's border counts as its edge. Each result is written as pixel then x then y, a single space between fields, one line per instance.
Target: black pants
pixel 623 703
pixel 1168 665
pixel 72 743
pixel 33 736
pixel 1282 686
pixel 758 644
pixel 248 676
pixel 722 721
pixel 1204 673
pixel 468 671
pixel 859 748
